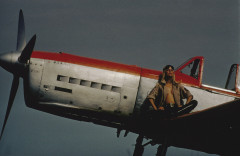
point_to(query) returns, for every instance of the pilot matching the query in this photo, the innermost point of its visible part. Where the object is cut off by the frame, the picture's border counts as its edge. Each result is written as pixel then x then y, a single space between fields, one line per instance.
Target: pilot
pixel 168 95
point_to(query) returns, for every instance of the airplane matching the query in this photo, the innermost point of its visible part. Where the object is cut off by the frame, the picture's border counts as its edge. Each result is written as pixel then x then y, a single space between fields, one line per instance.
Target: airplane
pixel 114 95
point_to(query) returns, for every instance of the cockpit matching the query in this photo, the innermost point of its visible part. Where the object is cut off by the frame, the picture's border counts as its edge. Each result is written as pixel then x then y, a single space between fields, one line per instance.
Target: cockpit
pixel 233 80
pixel 191 71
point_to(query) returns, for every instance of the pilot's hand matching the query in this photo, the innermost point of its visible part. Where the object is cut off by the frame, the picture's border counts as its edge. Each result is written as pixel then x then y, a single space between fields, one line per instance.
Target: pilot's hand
pixel 161 108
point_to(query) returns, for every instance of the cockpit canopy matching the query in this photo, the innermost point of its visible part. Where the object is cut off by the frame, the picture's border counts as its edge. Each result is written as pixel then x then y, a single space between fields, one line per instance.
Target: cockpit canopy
pixel 233 80
pixel 190 72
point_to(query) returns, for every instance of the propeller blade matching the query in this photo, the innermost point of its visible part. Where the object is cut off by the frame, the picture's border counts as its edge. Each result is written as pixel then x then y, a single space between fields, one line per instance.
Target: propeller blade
pixel 13 92
pixel 27 51
pixel 21 41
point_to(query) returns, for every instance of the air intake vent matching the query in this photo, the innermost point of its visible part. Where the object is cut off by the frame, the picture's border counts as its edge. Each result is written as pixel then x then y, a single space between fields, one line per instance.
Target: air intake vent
pixel 63 89
pixel 62 78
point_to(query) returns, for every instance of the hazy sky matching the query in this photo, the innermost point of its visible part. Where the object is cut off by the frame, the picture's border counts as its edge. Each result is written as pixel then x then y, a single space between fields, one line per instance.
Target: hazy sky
pixel 148 34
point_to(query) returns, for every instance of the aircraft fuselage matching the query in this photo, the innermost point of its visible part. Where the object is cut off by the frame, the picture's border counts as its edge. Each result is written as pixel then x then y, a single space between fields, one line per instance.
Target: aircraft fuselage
pixel 68 82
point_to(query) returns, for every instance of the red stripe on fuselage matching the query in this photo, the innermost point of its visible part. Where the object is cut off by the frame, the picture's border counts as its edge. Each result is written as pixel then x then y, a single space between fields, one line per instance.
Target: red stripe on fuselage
pixel 95 63
pixel 107 65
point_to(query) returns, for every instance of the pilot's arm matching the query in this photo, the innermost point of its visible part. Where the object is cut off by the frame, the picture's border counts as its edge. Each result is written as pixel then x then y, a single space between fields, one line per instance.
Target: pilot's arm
pixel 153 104
pixel 189 99
pixel 185 93
pixel 153 95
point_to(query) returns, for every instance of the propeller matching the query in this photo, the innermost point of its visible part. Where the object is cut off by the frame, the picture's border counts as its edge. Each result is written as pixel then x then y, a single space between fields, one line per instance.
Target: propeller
pixel 13 92
pixel 27 51
pixel 21 41
pixel 15 61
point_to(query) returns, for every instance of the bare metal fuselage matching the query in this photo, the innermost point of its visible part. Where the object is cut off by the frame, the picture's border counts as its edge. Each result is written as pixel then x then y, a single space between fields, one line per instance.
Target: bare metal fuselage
pixel 76 85
pixel 86 88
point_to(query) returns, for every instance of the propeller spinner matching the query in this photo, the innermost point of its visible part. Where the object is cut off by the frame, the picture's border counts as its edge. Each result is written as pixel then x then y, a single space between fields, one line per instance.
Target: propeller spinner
pixel 16 63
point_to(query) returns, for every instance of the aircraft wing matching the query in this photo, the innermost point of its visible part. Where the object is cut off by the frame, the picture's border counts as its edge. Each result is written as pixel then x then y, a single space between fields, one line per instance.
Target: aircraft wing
pixel 215 130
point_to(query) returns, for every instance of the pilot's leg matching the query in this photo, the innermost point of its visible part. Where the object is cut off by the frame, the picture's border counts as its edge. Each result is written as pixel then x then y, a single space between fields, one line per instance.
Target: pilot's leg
pixel 187 108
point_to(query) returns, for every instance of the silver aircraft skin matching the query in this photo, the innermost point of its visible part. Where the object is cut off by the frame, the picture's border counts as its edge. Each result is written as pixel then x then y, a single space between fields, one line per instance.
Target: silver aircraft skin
pixel 81 87
pixel 102 92
pixel 63 84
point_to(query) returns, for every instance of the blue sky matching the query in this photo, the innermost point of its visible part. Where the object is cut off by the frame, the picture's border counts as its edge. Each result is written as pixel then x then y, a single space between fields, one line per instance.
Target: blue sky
pixel 148 34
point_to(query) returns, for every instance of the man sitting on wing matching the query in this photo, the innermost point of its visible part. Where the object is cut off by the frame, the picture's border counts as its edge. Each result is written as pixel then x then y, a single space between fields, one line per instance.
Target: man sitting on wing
pixel 168 95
